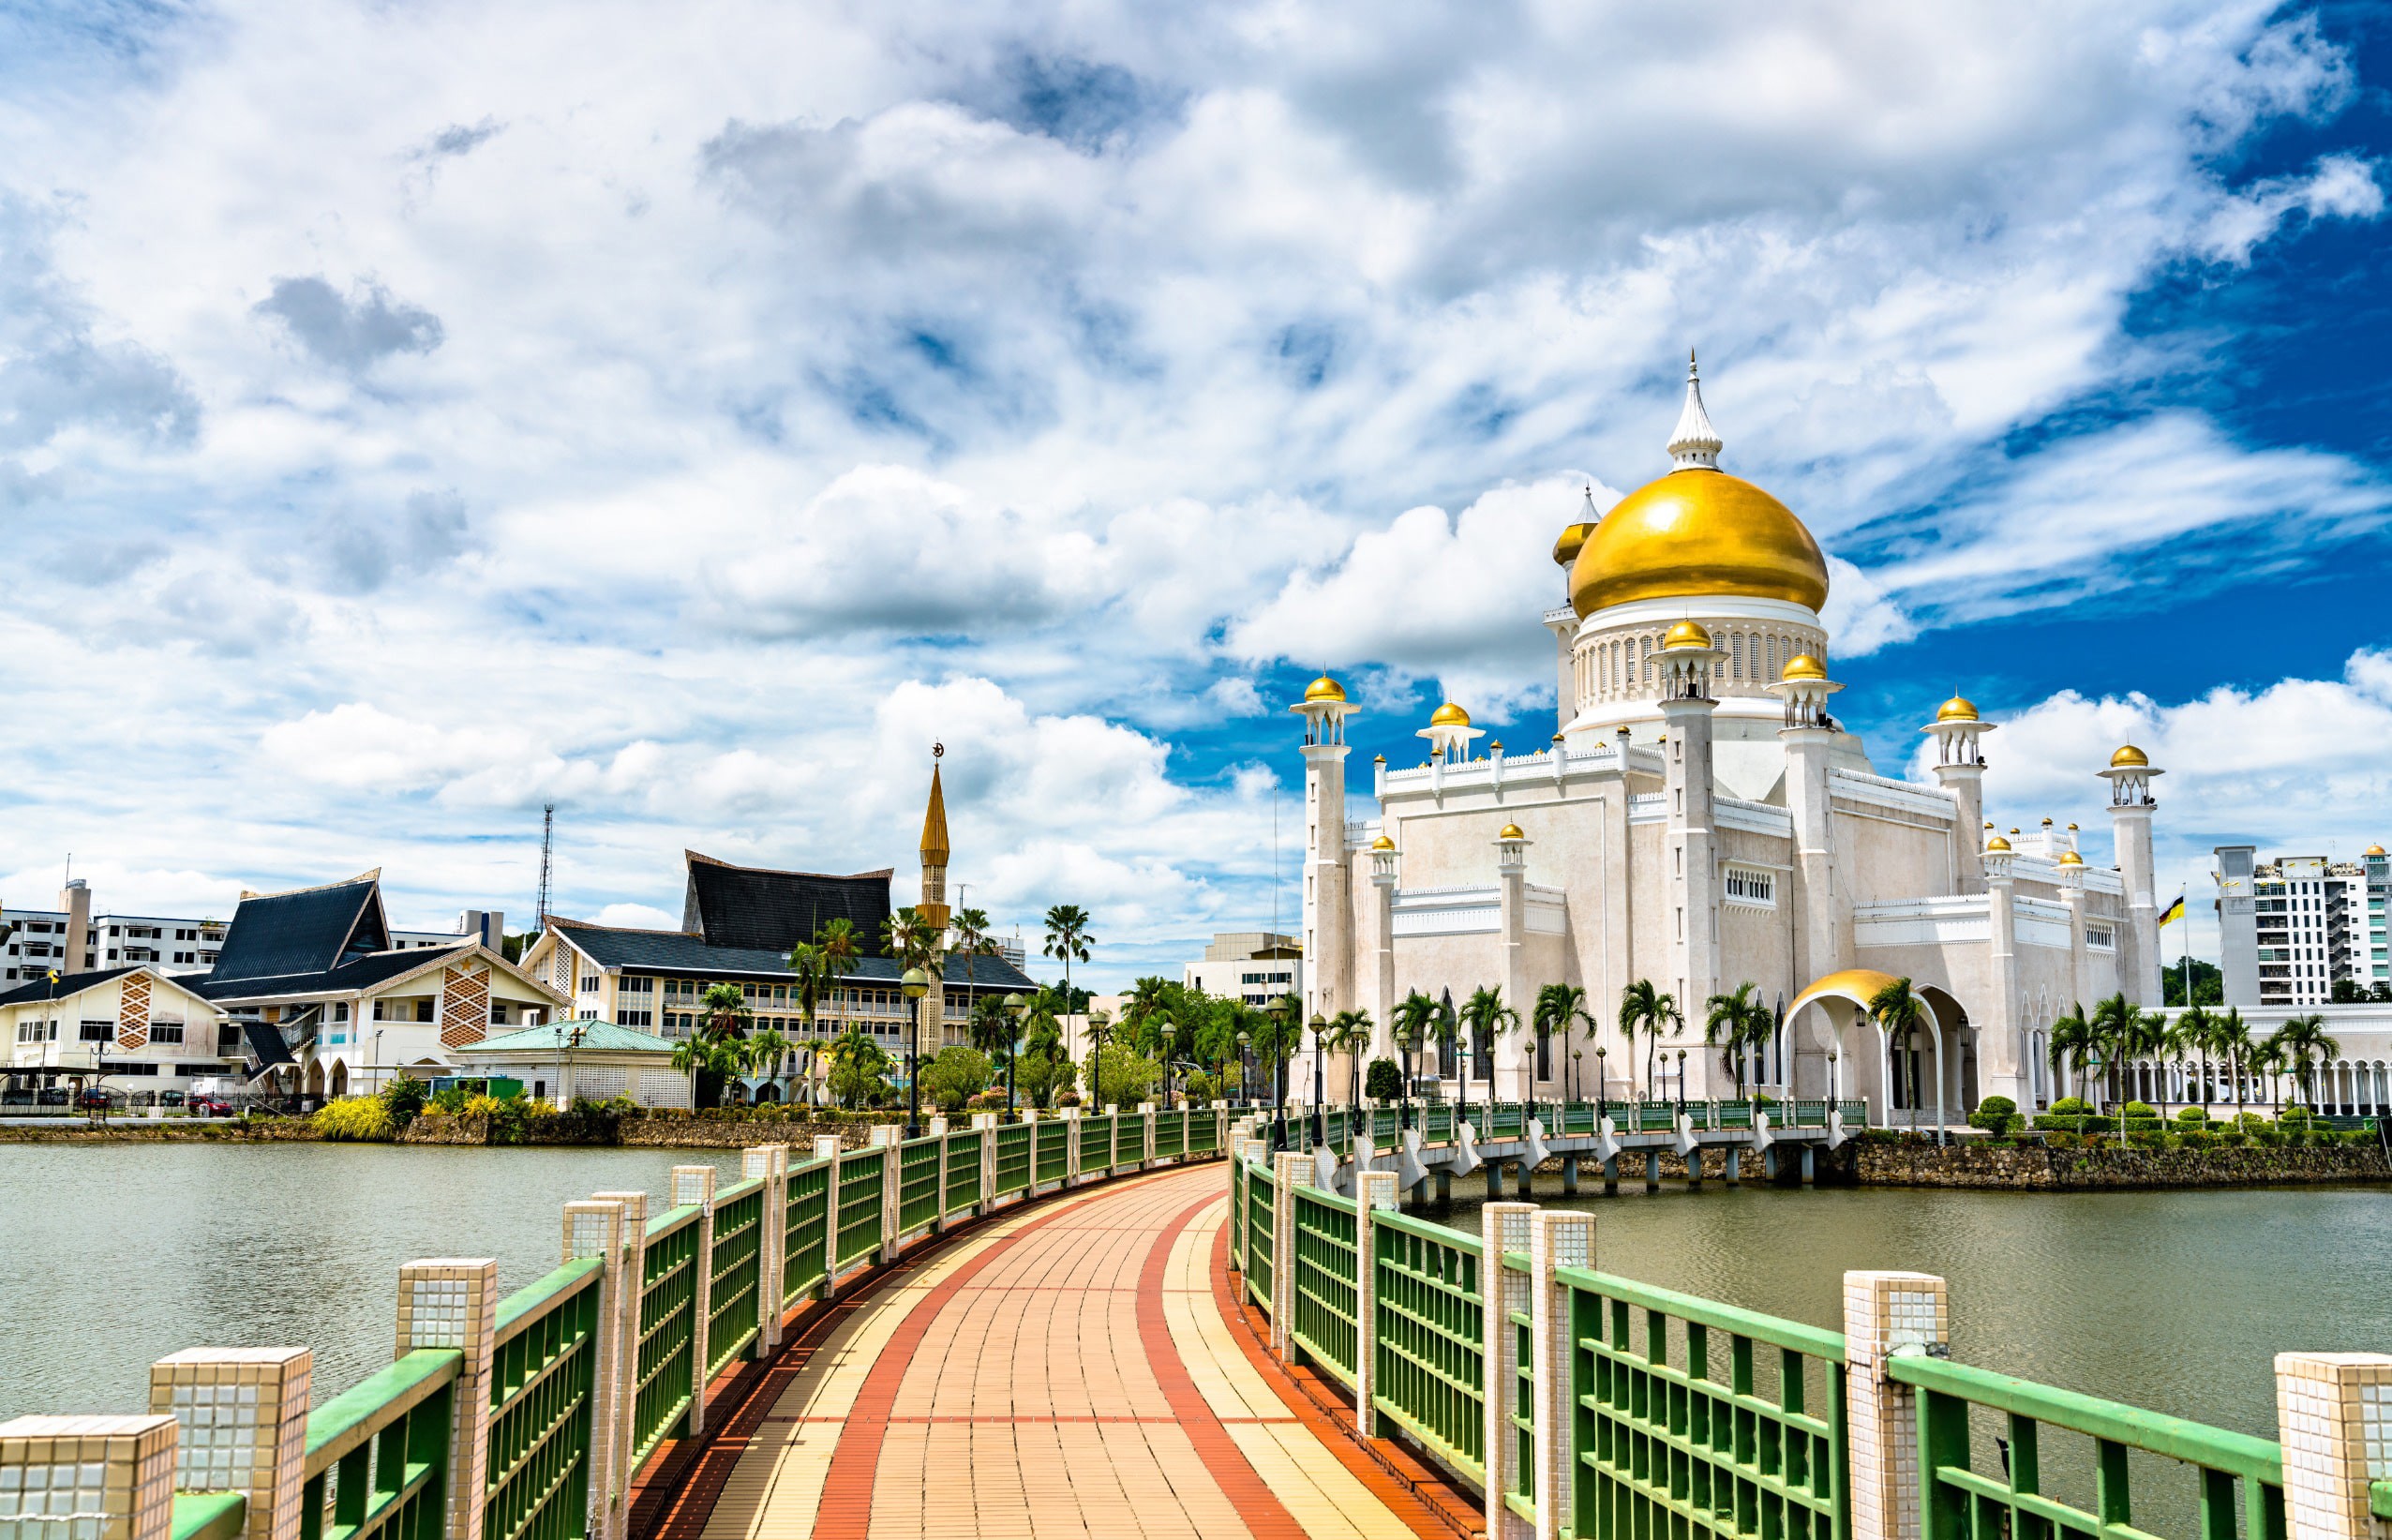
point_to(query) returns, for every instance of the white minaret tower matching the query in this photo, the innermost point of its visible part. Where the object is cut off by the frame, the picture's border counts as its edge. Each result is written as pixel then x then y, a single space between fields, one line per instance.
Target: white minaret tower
pixel 1383 859
pixel 1513 1074
pixel 1809 735
pixel 2131 807
pixel 1960 769
pixel 1328 950
pixel 1687 656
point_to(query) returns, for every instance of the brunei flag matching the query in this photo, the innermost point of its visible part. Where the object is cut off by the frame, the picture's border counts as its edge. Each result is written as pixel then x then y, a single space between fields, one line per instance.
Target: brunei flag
pixel 2174 911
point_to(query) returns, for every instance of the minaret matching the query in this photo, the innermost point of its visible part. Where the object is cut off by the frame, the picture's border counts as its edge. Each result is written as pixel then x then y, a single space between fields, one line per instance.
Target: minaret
pixel 1564 620
pixel 2000 1043
pixel 1329 906
pixel 2131 806
pixel 1809 737
pixel 1960 769
pixel 934 912
pixel 1686 705
pixel 1515 1070
pixel 1383 986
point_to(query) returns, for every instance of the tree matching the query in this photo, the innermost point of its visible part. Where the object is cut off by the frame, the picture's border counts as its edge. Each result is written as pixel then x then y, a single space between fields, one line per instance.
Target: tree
pixel 990 1027
pixel 1488 1018
pixel 835 939
pixel 1122 1073
pixel 2194 1031
pixel 972 940
pixel 2348 992
pixel 1898 1009
pixel 1416 1019
pixel 2118 1028
pixel 2208 984
pixel 2234 1040
pixel 1558 1007
pixel 909 938
pixel 1444 1025
pixel 1066 937
pixel 1386 1080
pixel 2073 1044
pixel 1736 1024
pixel 955 1076
pixel 723 1012
pixel 403 1097
pixel 859 1066
pixel 1646 1009
pixel 763 1052
pixel 1042 1067
pixel 2300 1043
pixel 1349 1033
pixel 708 1062
pixel 809 975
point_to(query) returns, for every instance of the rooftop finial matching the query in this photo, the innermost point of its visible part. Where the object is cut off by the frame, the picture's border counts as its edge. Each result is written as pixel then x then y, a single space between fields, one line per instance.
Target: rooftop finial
pixel 1696 443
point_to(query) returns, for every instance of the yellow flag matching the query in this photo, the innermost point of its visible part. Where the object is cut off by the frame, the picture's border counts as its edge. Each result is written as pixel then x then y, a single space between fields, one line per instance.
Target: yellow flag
pixel 2174 911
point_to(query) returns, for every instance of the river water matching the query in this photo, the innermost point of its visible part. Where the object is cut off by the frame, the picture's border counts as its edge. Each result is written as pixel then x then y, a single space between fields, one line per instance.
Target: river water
pixel 114 1255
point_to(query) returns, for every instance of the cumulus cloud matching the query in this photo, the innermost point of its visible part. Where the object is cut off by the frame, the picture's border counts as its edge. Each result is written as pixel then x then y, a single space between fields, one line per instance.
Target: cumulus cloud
pixel 351 333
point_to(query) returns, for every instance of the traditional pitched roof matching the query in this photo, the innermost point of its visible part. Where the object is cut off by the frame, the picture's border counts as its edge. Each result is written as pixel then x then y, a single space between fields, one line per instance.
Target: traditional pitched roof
pixel 676 952
pixel 358 973
pixel 68 986
pixel 596 1037
pixel 760 909
pixel 305 930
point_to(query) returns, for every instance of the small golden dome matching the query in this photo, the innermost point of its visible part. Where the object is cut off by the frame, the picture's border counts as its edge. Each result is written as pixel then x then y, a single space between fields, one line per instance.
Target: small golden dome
pixel 1697 533
pixel 2069 858
pixel 1449 715
pixel 1565 550
pixel 1323 688
pixel 1382 843
pixel 1686 633
pixel 2375 850
pixel 2126 756
pixel 1998 847
pixel 2047 823
pixel 1511 832
pixel 1802 665
pixel 1958 709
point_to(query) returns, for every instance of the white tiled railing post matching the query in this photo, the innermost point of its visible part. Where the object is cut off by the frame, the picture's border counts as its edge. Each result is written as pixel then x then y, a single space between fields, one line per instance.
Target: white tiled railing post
pixel 770 1164
pixel 695 1185
pixel 1289 1171
pixel 1503 1227
pixel 1886 1312
pixel 1070 1146
pixel 594 1228
pixel 242 1420
pixel 2334 1418
pixel 452 1302
pixel 984 1128
pixel 1557 1239
pixel 1377 1191
pixel 634 1207
pixel 101 1478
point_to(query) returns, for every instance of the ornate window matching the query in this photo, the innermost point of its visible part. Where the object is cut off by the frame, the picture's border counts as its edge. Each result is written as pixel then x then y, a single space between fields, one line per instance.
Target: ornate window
pixel 1747 885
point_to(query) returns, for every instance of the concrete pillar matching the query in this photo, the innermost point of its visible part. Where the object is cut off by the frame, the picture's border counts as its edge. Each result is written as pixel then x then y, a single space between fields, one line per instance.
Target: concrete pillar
pixel 452 1302
pixel 241 1419
pixel 1653 1171
pixel 695 1185
pixel 1382 947
pixel 1515 1056
pixel 1735 1167
pixel 1328 953
pixel 594 1228
pixel 985 1129
pixel 1818 937
pixel 1503 1227
pixel 1289 1171
pixel 2132 805
pixel 1884 1311
pixel 633 1206
pixel 770 1164
pixel 1999 1036
pixel 1611 1177
pixel 2334 1419
pixel 1569 1176
pixel 1556 1240
pixel 1070 1146
pixel 114 1473
pixel 1376 1191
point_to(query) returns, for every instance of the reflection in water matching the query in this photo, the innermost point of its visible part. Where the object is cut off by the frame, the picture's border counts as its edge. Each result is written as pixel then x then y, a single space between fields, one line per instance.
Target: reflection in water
pixel 115 1255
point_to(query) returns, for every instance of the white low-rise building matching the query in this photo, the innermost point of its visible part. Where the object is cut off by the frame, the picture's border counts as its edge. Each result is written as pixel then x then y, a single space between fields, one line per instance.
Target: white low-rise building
pixel 137 1031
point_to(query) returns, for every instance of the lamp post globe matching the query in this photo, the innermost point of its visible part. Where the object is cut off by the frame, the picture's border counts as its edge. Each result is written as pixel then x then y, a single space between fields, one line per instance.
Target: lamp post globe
pixel 916 983
pixel 1602 1082
pixel 1016 1008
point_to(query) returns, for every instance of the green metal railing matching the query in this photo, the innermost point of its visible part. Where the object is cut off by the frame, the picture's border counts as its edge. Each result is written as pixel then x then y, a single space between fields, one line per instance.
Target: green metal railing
pixel 544 1371
pixel 1054 1151
pixel 1322 1276
pixel 1430 1374
pixel 917 1183
pixel 668 1328
pixel 962 1172
pixel 1519 1417
pixel 732 1273
pixel 1096 1144
pixel 1691 1411
pixel 208 1516
pixel 862 1173
pixel 805 1263
pixel 1261 1196
pixel 2234 1476
pixel 376 1460
pixel 1013 1148
pixel 1171 1133
pixel 1204 1132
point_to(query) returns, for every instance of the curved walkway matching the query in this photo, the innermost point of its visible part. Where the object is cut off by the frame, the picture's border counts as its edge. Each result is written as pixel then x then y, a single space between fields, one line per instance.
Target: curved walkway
pixel 1066 1370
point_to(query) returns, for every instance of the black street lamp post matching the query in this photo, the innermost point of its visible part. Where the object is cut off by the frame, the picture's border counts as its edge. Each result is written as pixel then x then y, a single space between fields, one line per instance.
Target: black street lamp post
pixel 916 983
pixel 1320 1085
pixel 1245 1067
pixel 1279 1075
pixel 1016 1008
pixel 1602 1090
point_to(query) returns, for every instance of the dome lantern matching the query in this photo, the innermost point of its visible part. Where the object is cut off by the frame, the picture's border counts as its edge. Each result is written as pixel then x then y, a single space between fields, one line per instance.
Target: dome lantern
pixel 1450 734
pixel 1324 708
pixel 1695 444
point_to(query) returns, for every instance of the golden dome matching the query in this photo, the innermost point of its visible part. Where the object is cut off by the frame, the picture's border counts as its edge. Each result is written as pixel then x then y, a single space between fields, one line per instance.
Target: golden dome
pixel 1998 847
pixel 1695 533
pixel 2069 858
pixel 1565 550
pixel 2375 850
pixel 1382 843
pixel 1511 832
pixel 1802 665
pixel 2128 756
pixel 1958 709
pixel 1323 688
pixel 1449 715
pixel 1686 633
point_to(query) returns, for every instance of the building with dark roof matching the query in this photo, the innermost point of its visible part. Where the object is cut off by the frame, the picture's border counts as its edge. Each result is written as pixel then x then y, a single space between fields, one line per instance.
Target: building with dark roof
pixel 135 1030
pixel 756 908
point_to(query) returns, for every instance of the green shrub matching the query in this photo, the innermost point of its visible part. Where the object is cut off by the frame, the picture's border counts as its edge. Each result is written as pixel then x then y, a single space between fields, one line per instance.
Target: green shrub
pixel 2062 1140
pixel 1996 1123
pixel 450 1101
pixel 1200 1088
pixel 2293 1114
pixel 355 1118
pixel 2231 1138
pixel 1997 1106
pixel 2194 1116
pixel 2197 1139
pixel 404 1098
pixel 2140 1109
pixel 2071 1106
pixel 956 1073
pixel 1384 1081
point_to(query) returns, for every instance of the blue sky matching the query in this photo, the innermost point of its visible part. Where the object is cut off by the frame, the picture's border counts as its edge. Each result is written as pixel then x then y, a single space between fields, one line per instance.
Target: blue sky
pixel 411 414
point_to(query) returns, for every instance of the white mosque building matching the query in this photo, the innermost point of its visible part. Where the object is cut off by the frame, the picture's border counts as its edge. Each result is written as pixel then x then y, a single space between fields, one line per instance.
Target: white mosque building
pixel 1700 820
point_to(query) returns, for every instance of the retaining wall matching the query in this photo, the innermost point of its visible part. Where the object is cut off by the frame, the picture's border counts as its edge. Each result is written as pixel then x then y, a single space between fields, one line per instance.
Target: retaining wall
pixel 2036 1167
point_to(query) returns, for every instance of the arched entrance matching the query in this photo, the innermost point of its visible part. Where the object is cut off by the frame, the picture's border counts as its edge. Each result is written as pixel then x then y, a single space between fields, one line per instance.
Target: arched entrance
pixel 1911 1083
pixel 340 1081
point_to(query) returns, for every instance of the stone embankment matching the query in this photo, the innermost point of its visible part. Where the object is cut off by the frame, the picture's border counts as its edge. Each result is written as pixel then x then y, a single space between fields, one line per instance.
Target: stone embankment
pixel 2034 1167
pixel 670 1133
pixel 179 1130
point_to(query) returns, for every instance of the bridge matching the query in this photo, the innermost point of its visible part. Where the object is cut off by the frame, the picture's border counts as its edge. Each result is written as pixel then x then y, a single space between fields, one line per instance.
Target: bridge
pixel 1154 1323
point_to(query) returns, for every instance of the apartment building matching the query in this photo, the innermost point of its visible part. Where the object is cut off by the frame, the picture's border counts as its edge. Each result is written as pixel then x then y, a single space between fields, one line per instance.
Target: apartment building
pixel 1252 966
pixel 2292 928
pixel 43 941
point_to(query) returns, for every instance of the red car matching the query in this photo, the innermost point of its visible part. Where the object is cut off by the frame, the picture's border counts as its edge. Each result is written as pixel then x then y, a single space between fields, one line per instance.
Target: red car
pixel 208 1106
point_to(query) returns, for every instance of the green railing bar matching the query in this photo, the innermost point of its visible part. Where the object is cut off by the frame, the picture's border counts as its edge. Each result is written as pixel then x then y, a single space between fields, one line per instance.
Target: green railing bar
pixel 1776 1332
pixel 1760 1406
pixel 539 1442
pixel 737 1190
pixel 529 1302
pixel 541 1376
pixel 2178 1438
pixel 1326 1199
pixel 1405 1224
pixel 2379 1498
pixel 1474 1470
pixel 209 1516
pixel 659 1225
pixel 357 1413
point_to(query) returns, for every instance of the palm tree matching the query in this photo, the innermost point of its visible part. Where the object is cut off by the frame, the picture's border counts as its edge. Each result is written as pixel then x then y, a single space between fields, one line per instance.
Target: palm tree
pixel 808 975
pixel 2234 1040
pixel 1068 939
pixel 763 1053
pixel 1416 1020
pixel 1897 1008
pixel 2195 1030
pixel 2119 1031
pixel 2299 1041
pixel 723 1012
pixel 700 1054
pixel 990 1026
pixel 2073 1044
pixel 836 941
pixel 1644 1009
pixel 972 940
pixel 856 1060
pixel 1558 1007
pixel 1349 1033
pixel 1488 1018
pixel 1736 1025
pixel 909 938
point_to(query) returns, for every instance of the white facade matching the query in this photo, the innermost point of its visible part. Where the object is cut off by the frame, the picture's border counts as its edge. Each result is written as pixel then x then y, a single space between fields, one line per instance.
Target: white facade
pixel 2309 923
pixel 1254 967
pixel 134 1031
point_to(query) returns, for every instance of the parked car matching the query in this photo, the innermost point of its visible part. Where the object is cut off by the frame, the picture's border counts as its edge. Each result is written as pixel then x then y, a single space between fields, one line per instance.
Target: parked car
pixel 169 1098
pixel 97 1102
pixel 53 1096
pixel 210 1106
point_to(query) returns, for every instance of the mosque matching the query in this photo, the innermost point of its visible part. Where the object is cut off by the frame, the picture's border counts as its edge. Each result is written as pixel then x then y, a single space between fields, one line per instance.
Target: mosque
pixel 1702 820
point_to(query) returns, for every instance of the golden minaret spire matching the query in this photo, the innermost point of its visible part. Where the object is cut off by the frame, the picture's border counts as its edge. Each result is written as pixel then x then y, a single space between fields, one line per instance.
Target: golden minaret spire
pixel 934 849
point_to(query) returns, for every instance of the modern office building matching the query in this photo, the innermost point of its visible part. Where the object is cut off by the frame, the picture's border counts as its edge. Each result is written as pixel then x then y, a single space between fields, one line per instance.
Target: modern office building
pixel 2292 928
pixel 1252 966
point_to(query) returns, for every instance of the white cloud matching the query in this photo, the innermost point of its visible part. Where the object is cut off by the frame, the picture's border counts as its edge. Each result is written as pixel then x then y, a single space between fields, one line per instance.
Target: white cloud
pixel 2341 187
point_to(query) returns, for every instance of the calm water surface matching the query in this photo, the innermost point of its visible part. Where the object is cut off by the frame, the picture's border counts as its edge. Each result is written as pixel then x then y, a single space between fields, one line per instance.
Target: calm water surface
pixel 114 1255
